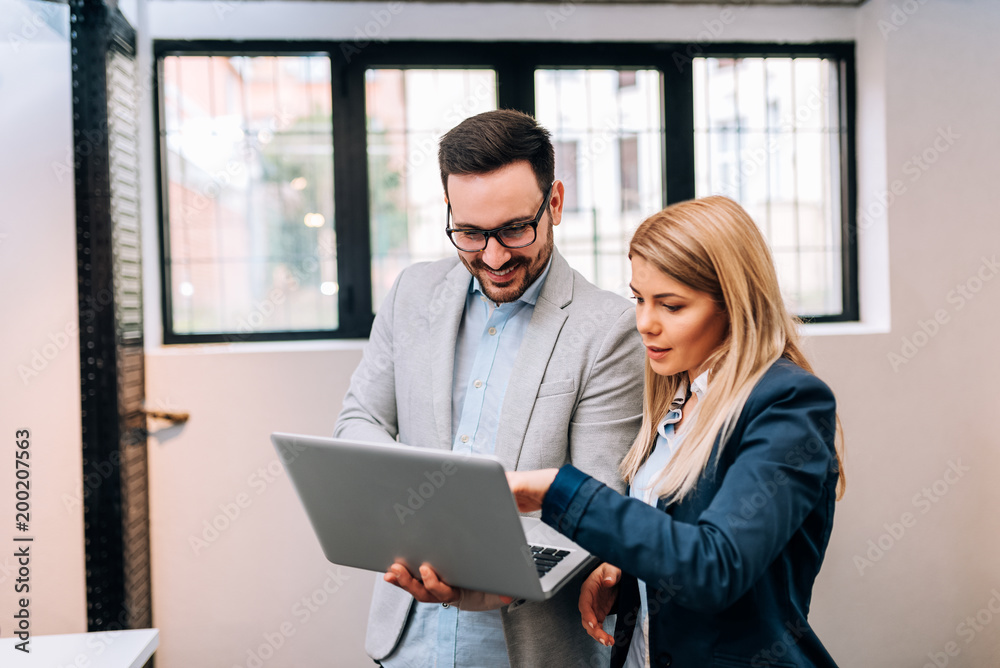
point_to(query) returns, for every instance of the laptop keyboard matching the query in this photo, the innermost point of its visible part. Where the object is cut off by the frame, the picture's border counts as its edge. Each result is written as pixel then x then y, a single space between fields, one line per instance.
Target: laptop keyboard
pixel 546 558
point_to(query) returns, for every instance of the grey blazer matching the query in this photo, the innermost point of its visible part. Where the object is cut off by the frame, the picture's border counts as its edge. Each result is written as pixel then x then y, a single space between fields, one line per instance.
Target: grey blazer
pixel 575 395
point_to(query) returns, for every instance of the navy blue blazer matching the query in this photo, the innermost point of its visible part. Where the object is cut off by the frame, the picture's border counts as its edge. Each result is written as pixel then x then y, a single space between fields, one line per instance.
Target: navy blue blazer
pixel 729 571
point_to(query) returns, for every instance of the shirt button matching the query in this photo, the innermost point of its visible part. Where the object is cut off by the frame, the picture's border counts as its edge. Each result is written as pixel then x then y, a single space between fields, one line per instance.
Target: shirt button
pixel 465 438
pixel 445 605
pixel 478 383
pixel 493 331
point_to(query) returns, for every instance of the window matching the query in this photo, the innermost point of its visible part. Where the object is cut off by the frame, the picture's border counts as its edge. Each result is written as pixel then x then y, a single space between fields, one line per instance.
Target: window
pixel 607 126
pixel 297 183
pixel 768 134
pixel 250 245
pixel 407 112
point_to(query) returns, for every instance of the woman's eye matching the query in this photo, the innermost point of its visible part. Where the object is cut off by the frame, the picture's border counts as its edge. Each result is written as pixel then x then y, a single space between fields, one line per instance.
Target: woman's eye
pixel 672 309
pixel 638 300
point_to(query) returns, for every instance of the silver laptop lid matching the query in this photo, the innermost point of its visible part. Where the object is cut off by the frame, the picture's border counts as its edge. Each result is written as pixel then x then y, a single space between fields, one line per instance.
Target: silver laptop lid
pixel 372 504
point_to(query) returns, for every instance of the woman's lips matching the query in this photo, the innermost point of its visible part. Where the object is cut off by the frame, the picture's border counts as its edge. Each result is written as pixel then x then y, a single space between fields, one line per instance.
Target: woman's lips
pixel 656 353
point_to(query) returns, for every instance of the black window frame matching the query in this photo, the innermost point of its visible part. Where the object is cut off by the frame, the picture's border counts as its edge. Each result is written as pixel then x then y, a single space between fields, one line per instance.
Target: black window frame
pixel 515 64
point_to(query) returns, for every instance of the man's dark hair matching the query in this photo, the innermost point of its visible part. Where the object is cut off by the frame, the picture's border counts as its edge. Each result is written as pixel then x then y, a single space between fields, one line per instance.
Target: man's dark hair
pixel 486 142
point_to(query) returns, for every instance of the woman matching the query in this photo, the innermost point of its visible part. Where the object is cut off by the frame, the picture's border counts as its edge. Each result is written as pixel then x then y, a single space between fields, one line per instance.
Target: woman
pixel 711 558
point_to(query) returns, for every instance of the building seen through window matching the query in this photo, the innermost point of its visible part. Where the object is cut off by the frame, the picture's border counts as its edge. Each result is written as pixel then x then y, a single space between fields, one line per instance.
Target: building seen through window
pixel 260 152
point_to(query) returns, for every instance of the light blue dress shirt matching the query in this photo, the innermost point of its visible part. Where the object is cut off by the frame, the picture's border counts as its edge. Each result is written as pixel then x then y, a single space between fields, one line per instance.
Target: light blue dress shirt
pixel 667 442
pixel 489 337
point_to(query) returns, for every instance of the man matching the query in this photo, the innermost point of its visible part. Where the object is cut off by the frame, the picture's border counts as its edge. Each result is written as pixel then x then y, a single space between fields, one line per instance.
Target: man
pixel 506 351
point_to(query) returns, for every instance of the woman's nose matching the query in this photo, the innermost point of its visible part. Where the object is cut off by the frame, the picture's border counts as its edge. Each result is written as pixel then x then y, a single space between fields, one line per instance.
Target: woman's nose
pixel 644 320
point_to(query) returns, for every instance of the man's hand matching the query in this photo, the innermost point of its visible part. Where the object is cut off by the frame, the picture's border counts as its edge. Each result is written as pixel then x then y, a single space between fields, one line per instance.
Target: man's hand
pixel 597 597
pixel 529 487
pixel 434 590
pixel 431 590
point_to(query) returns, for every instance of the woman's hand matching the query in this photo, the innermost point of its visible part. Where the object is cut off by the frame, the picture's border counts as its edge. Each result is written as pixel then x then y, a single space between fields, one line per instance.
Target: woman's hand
pixel 597 597
pixel 529 487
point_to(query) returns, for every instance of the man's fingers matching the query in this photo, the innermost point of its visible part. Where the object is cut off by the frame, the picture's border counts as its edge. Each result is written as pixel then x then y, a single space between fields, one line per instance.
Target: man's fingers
pixel 398 575
pixel 412 585
pixel 433 584
pixel 401 577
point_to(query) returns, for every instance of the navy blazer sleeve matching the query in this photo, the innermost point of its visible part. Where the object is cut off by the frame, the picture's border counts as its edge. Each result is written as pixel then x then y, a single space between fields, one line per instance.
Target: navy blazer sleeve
pixel 771 475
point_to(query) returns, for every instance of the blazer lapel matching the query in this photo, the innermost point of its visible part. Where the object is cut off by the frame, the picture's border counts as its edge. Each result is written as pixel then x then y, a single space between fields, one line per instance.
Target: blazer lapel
pixel 540 338
pixel 445 315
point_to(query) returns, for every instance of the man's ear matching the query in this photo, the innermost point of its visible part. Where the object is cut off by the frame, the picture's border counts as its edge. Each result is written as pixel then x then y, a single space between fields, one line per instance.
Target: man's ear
pixel 556 201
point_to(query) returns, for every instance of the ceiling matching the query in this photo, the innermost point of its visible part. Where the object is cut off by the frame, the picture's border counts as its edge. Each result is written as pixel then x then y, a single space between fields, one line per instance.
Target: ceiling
pixel 743 3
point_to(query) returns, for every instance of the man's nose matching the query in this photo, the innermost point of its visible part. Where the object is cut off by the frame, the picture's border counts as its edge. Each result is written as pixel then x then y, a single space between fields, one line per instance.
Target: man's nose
pixel 495 254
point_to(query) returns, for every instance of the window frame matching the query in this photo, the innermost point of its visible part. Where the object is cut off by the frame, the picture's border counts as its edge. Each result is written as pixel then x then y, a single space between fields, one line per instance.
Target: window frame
pixel 515 64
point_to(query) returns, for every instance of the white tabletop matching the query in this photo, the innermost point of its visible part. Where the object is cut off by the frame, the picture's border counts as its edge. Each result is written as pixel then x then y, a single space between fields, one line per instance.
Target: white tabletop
pixel 105 649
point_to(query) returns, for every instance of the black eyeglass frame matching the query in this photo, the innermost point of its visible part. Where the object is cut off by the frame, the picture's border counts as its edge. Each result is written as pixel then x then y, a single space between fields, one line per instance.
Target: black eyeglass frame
pixel 495 233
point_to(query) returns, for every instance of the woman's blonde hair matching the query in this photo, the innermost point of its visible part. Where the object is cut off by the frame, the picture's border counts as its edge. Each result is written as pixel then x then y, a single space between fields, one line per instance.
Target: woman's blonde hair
pixel 711 245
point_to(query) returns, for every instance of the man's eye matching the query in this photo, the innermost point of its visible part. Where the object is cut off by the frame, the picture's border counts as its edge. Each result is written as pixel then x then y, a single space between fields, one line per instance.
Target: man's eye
pixel 514 231
pixel 469 235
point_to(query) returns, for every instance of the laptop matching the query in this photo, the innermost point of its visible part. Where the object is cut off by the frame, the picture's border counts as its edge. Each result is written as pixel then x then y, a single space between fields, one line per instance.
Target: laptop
pixel 371 504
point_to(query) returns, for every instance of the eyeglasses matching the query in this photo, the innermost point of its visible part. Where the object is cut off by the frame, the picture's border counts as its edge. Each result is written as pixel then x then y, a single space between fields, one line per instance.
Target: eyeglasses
pixel 515 235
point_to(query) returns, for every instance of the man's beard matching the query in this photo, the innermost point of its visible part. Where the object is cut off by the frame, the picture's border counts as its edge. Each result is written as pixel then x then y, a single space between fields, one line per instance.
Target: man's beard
pixel 511 293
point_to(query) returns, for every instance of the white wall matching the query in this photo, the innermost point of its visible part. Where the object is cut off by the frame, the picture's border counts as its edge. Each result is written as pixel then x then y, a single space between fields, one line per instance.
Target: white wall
pixel 236 567
pixel 907 423
pixel 39 348
pixel 905 426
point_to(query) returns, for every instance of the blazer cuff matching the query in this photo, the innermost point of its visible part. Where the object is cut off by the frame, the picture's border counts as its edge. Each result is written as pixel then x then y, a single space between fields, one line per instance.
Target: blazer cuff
pixel 568 498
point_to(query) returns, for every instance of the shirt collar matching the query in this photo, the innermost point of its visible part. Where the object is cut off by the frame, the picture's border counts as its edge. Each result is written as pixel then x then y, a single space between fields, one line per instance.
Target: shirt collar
pixel 530 295
pixel 698 387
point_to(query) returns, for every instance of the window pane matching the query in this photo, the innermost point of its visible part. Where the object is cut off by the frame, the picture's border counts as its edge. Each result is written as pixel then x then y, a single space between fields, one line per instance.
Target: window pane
pixel 249 171
pixel 408 111
pixel 606 125
pixel 767 134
